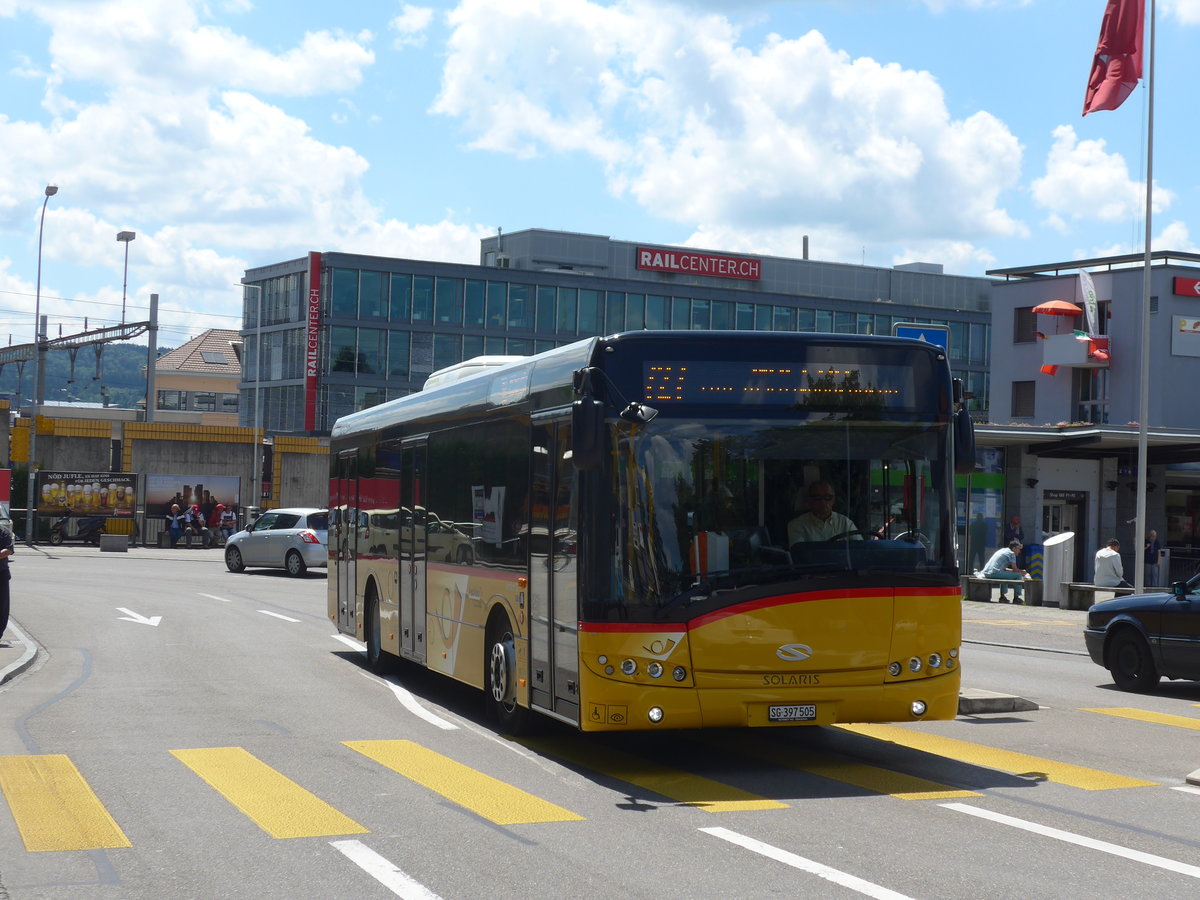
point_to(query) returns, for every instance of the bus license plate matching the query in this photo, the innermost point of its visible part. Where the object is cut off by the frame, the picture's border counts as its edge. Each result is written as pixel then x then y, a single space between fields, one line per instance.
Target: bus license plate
pixel 805 712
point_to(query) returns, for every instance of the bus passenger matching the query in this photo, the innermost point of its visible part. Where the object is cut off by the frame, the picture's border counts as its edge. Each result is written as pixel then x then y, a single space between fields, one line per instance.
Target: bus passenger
pixel 821 523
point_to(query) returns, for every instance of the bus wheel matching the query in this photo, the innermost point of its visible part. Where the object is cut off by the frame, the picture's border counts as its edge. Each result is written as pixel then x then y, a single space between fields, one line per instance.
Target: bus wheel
pixel 371 630
pixel 501 668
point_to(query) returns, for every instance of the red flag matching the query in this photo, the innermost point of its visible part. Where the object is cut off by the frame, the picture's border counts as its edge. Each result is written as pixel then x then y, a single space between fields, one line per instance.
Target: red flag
pixel 1118 62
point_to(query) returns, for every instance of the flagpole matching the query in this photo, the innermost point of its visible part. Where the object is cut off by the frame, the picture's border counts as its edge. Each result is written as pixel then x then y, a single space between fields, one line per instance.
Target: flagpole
pixel 1139 541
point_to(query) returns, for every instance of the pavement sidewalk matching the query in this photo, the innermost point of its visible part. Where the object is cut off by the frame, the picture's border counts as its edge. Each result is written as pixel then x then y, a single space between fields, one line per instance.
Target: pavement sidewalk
pixel 17 652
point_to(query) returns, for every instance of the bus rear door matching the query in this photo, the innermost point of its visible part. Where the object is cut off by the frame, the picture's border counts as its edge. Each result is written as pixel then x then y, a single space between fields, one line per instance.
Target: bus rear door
pixel 554 616
pixel 412 521
pixel 345 538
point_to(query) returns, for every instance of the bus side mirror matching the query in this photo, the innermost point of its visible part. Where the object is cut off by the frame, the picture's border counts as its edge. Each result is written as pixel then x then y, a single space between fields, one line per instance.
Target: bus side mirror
pixel 587 434
pixel 964 443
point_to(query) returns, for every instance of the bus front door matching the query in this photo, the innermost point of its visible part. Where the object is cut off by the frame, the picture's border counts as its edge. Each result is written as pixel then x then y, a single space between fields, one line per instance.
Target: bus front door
pixel 412 523
pixel 554 616
pixel 345 540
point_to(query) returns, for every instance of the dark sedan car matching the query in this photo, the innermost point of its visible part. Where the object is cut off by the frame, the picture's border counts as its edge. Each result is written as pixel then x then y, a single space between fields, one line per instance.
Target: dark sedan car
pixel 1140 638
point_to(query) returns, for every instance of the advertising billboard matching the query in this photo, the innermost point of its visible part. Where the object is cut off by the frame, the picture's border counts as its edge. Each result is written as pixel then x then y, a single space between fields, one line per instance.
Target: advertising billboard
pixel 205 491
pixel 86 494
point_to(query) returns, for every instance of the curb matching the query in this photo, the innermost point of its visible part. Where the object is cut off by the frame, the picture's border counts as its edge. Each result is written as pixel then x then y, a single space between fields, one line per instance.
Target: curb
pixel 27 658
pixel 975 702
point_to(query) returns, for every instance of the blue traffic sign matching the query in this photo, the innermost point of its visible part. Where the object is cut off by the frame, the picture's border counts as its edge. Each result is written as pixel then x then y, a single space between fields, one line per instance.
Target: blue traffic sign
pixel 938 335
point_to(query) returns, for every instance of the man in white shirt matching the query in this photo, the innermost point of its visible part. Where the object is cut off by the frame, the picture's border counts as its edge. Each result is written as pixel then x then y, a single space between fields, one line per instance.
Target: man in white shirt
pixel 1003 567
pixel 821 523
pixel 1108 566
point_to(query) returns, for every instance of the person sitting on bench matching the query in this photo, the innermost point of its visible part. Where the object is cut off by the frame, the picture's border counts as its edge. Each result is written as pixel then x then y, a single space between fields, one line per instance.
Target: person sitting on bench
pixel 1109 572
pixel 1003 566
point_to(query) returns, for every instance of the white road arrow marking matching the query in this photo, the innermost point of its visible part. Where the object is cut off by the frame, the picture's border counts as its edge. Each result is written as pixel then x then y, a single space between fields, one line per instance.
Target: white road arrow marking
pixel 131 616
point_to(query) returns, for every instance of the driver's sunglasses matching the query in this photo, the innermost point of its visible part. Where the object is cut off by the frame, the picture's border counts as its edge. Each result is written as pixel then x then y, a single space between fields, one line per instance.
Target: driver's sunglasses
pixel 820 496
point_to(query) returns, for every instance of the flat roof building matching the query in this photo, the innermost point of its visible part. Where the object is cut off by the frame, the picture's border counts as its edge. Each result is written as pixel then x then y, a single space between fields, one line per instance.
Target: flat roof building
pixel 341 332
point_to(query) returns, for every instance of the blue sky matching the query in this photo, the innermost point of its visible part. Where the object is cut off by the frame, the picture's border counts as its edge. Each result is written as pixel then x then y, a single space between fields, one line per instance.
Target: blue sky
pixel 230 134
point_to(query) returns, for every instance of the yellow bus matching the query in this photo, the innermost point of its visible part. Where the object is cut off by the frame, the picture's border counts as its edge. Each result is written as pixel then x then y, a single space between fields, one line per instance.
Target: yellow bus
pixel 665 530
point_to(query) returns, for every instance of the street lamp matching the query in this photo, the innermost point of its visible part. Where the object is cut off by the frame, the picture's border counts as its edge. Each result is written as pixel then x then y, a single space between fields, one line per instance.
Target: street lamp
pixel 38 376
pixel 258 436
pixel 125 237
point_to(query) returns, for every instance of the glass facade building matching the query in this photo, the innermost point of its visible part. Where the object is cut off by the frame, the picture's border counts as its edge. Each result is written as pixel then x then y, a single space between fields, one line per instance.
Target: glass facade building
pixel 340 332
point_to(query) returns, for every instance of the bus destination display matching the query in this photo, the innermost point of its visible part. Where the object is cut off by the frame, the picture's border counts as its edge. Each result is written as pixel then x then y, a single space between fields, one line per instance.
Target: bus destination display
pixel 741 383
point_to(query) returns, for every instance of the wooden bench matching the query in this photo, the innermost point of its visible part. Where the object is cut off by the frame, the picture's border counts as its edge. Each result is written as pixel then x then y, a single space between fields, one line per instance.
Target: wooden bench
pixel 980 589
pixel 1081 596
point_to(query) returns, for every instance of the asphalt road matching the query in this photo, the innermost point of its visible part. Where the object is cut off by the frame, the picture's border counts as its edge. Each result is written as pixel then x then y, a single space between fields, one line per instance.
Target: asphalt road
pixel 186 732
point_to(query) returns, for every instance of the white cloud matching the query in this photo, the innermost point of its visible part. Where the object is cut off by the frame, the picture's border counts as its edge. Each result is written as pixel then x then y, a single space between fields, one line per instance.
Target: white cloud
pixel 1187 12
pixel 1085 182
pixel 699 128
pixel 410 26
pixel 120 43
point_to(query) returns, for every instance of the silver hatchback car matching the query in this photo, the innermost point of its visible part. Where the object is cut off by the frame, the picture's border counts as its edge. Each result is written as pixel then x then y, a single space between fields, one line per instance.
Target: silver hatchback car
pixel 293 539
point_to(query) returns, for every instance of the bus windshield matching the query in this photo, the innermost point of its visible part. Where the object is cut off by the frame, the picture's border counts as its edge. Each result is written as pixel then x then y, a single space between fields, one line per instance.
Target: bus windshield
pixel 712 509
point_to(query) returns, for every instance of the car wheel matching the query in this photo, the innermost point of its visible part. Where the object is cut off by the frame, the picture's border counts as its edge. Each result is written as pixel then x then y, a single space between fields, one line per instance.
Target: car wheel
pixel 1130 663
pixel 233 559
pixel 501 668
pixel 294 563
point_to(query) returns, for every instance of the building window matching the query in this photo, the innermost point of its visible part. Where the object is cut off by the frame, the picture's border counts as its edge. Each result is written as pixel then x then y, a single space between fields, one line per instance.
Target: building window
pixel 422 298
pixel 567 299
pixel 635 312
pixel 545 309
pixel 401 300
pixel 205 401
pixel 1022 399
pixel 343 349
pixel 474 303
pixel 170 400
pixel 229 403
pixel 372 302
pixel 520 306
pixel 497 303
pixel 398 354
pixel 722 315
pixel 656 317
pixel 614 312
pixel 448 304
pixel 1024 325
pixel 1091 395
pixel 447 350
pixel 589 311
pixel 345 293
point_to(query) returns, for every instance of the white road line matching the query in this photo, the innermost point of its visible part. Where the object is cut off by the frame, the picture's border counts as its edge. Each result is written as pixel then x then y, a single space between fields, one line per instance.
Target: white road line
pixel 384 872
pixel 215 597
pixel 349 641
pixel 868 888
pixel 409 702
pixel 267 612
pixel 1187 788
pixel 1149 859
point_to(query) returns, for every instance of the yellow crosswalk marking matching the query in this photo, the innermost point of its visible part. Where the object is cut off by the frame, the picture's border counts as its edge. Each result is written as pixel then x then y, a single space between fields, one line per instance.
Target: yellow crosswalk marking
pixel 692 790
pixel 485 796
pixel 53 806
pixel 995 758
pixel 1143 715
pixel 837 768
pixel 276 804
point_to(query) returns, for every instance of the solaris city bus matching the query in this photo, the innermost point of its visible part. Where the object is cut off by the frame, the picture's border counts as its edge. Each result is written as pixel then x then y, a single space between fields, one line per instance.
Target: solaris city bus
pixel 599 533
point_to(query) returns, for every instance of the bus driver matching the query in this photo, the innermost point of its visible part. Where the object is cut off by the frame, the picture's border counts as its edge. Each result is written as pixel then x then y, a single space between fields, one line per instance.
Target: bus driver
pixel 821 523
